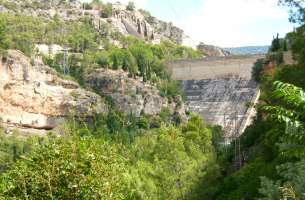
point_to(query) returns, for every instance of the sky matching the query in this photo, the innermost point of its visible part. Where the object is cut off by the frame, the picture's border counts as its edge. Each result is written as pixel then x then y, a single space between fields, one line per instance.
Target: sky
pixel 225 23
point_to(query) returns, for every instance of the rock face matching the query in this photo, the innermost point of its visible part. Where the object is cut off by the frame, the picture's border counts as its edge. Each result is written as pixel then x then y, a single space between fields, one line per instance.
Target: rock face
pixel 32 95
pixel 137 23
pixel 164 30
pixel 222 101
pixel 210 50
pixel 131 95
pixel 144 26
pixel 128 95
pixel 131 22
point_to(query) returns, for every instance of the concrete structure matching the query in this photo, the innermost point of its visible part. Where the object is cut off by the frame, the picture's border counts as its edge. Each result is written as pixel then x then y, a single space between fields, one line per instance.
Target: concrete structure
pixel 220 89
pixel 213 67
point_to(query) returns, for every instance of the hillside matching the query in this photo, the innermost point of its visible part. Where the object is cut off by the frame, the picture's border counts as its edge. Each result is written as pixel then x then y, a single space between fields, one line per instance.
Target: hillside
pixel 113 21
pixel 42 31
pixel 89 80
pixel 212 51
pixel 270 161
pixel 248 50
pixel 114 18
pixel 89 109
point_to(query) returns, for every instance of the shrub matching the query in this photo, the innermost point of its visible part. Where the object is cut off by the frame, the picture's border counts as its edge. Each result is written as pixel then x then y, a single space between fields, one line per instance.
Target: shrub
pixel 160 164
pixel 87 6
pixel 106 10
pixel 143 123
pixel 257 69
pixel 131 6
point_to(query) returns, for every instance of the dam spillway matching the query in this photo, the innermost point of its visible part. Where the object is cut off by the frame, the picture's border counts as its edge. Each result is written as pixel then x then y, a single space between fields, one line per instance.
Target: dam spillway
pixel 223 101
pixel 220 90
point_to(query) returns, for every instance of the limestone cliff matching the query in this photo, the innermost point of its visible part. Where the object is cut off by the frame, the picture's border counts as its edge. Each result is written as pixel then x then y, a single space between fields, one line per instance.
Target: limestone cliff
pixel 137 22
pixel 132 95
pixel 33 95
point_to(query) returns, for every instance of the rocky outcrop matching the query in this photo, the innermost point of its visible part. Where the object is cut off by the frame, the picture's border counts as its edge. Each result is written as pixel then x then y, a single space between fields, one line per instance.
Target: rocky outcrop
pixel 137 23
pixel 144 26
pixel 33 95
pixel 223 101
pixel 131 22
pixel 132 95
pixel 128 95
pixel 212 51
pixel 164 30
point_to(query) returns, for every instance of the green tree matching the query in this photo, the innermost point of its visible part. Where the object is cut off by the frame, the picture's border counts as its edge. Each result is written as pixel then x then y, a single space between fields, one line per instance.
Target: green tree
pixel 170 88
pixel 70 168
pixel 297 12
pixel 291 184
pixel 130 64
pixel 161 163
pixel 131 6
pixel 117 58
pixel 115 122
pixel 290 111
pixel 144 58
pixel 96 4
pixel 257 69
pixel 82 38
pixel 106 10
pixel 103 59
pixel 276 45
pixel 3 34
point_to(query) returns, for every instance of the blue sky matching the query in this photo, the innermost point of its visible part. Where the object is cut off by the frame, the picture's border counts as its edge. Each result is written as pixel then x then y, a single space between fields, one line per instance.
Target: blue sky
pixel 225 23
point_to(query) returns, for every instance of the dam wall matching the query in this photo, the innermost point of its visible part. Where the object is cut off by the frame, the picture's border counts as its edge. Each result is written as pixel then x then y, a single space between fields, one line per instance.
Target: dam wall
pixel 220 89
pixel 213 67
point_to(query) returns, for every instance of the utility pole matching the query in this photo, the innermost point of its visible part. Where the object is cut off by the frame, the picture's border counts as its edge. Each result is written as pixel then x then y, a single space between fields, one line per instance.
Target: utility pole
pixel 235 138
pixel 239 153
pixel 237 143
pixel 225 136
pixel 65 66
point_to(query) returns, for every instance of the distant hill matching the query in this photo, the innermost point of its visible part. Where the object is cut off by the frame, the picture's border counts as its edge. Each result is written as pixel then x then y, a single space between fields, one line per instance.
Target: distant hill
pixel 210 50
pixel 248 50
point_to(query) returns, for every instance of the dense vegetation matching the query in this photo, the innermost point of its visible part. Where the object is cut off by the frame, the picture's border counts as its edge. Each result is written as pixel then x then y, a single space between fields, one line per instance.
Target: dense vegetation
pixel 120 156
pixel 96 163
pixel 115 156
pixel 12 148
pixel 92 49
pixel 273 147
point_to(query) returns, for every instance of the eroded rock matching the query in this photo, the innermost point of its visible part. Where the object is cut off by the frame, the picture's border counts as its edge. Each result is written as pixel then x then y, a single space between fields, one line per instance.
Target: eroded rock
pixel 33 95
pixel 128 95
pixel 131 95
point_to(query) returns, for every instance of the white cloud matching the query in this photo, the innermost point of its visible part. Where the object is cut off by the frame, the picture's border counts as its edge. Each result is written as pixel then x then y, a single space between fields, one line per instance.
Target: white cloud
pixel 233 22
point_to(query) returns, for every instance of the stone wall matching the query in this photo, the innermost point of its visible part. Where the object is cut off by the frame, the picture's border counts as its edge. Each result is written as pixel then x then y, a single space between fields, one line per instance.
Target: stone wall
pixel 213 67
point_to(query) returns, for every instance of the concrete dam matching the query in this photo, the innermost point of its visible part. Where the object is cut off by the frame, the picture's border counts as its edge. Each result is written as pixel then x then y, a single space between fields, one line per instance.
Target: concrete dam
pixel 220 89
